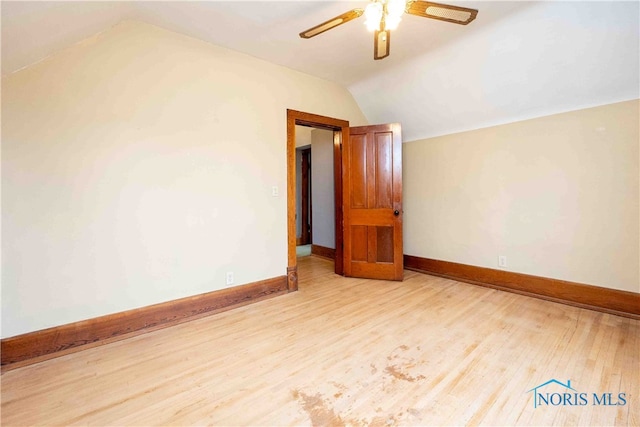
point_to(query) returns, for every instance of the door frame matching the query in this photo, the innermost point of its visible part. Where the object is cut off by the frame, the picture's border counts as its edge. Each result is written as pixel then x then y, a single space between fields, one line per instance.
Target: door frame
pixel 340 130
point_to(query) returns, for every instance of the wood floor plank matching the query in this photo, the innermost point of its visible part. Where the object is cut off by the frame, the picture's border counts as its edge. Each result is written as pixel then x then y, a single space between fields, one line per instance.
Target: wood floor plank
pixel 341 351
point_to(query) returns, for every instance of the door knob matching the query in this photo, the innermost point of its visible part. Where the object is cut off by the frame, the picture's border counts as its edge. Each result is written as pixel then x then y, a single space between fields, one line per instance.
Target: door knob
pixel 396 212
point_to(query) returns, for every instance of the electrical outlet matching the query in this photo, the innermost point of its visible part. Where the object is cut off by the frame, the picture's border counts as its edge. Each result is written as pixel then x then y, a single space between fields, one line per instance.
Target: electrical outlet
pixel 502 261
pixel 229 277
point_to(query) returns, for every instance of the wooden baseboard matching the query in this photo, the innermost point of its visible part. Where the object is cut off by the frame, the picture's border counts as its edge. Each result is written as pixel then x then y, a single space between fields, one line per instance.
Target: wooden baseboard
pixel 323 251
pixel 37 346
pixel 607 300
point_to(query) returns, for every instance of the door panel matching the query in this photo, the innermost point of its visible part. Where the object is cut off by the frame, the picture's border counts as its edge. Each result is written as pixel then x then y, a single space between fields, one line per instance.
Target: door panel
pixel 358 169
pixel 384 242
pixel 384 168
pixel 372 180
pixel 360 243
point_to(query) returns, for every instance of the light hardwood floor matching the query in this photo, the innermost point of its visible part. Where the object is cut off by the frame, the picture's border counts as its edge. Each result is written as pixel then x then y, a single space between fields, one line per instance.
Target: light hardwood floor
pixel 427 351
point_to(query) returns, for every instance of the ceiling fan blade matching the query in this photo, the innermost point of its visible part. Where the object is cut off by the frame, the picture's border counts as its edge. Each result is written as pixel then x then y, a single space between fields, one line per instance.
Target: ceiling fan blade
pixel 443 12
pixel 381 44
pixel 332 23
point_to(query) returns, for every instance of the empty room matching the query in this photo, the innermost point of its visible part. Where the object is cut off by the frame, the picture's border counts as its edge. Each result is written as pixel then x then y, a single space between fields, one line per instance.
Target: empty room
pixel 327 213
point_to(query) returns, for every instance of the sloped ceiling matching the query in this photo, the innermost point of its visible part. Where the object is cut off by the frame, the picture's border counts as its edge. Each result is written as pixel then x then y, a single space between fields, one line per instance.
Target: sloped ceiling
pixel 517 60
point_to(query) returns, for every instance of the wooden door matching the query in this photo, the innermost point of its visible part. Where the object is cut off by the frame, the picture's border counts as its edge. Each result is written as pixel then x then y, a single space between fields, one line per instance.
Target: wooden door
pixel 305 205
pixel 372 202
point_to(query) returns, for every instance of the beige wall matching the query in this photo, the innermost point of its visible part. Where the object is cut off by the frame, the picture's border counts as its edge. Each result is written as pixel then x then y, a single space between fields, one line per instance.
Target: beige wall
pixel 137 168
pixel 557 195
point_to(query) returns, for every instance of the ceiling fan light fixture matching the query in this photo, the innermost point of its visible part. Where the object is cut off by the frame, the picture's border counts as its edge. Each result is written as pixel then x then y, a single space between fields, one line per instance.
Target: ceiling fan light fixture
pixel 395 8
pixel 373 15
pixel 392 22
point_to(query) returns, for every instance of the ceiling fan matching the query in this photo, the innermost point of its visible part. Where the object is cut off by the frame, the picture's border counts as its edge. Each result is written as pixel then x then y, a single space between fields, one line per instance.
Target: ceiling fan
pixel 383 16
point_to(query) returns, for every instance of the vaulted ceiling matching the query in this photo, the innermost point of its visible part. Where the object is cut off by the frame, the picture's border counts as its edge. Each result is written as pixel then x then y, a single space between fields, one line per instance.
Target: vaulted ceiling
pixel 517 60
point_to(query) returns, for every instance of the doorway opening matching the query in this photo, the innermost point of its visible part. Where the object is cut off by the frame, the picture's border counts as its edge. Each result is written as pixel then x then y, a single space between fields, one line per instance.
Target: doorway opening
pixel 304 191
pixel 315 193
pixel 340 131
pixel 306 198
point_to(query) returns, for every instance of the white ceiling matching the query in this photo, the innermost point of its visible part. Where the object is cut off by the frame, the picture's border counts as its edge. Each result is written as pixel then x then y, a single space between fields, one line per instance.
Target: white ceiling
pixel 517 60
